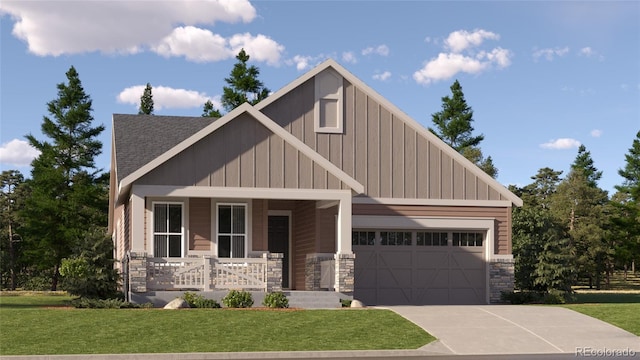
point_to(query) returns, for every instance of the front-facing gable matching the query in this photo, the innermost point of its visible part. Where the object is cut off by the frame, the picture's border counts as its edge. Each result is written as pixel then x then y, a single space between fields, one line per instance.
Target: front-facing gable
pixel 381 147
pixel 242 149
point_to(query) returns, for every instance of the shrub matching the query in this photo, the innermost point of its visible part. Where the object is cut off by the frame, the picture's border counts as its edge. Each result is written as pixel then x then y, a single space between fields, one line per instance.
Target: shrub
pixel 555 296
pixel 345 302
pixel 521 297
pixel 276 300
pixel 198 301
pixel 90 303
pixel 238 299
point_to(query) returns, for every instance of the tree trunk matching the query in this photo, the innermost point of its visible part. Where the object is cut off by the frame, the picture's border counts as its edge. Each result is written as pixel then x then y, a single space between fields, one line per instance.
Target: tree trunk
pixel 55 278
pixel 12 255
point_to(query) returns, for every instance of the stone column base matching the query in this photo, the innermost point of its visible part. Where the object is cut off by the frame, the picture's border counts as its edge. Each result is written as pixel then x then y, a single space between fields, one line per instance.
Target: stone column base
pixel 501 278
pixel 137 272
pixel 274 271
pixel 345 272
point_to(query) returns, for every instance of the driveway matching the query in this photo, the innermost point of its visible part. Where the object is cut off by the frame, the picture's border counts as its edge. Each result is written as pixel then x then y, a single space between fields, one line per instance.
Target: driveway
pixel 517 329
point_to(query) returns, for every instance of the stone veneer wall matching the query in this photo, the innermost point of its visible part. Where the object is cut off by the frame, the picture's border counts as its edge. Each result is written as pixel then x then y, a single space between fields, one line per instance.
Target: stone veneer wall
pixel 501 278
pixel 138 271
pixel 313 270
pixel 274 271
pixel 345 272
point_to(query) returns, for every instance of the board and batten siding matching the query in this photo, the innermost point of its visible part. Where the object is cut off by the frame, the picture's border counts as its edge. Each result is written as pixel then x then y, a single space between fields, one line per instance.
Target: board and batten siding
pixel 390 157
pixel 243 153
pixel 502 216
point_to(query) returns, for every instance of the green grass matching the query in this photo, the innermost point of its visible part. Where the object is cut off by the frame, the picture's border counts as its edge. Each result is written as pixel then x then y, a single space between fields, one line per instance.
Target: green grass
pixel 29 328
pixel 624 316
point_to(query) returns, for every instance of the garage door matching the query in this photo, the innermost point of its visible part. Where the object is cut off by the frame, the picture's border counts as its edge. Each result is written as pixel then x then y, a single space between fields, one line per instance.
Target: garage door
pixel 419 267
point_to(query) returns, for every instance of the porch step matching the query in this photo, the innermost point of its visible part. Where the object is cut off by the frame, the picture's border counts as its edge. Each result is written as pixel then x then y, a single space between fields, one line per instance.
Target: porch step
pixel 314 299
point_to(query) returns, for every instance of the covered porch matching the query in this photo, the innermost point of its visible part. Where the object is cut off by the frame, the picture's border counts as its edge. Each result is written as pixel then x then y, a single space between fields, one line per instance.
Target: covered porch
pixel 208 239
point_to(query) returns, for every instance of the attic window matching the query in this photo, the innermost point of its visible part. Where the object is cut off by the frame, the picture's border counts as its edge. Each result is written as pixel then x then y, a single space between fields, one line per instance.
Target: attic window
pixel 328 106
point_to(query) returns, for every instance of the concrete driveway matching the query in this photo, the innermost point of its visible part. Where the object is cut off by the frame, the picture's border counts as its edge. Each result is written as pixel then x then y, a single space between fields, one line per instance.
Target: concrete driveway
pixel 517 329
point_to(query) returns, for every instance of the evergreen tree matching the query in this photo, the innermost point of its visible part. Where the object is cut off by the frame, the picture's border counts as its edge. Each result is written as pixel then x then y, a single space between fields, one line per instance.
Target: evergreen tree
pixel 584 164
pixel 453 126
pixel 544 185
pixel 580 207
pixel 12 197
pixel 65 200
pixel 210 111
pixel 626 209
pixel 146 101
pixel 244 85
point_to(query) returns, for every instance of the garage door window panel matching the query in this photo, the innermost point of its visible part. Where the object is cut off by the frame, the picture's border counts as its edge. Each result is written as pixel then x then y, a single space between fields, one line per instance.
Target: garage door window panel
pixel 397 238
pixel 468 238
pixel 363 238
pixel 432 238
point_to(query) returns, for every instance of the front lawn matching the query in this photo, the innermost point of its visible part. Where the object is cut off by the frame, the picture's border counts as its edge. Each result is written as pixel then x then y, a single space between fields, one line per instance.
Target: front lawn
pixel 34 329
pixel 618 308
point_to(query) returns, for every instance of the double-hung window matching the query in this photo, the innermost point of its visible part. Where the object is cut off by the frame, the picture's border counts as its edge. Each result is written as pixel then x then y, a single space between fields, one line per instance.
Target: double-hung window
pixel 167 230
pixel 232 230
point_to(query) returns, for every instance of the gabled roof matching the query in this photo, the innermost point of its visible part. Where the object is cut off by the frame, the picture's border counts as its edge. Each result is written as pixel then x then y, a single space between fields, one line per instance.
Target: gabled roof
pixel 138 139
pixel 125 182
pixel 330 63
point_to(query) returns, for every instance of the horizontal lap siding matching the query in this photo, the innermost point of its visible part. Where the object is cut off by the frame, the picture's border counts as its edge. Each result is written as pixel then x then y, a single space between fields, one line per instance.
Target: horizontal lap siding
pixel 259 231
pixel 199 224
pixel 502 216
pixel 304 231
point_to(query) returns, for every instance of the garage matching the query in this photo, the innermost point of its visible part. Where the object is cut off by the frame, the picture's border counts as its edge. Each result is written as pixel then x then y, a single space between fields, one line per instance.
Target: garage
pixel 420 267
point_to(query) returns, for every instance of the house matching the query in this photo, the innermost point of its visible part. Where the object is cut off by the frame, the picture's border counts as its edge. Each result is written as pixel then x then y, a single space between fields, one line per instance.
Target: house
pixel 324 185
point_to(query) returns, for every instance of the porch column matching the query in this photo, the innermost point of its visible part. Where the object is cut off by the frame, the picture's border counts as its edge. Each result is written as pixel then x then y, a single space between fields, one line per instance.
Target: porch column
pixel 343 237
pixel 137 222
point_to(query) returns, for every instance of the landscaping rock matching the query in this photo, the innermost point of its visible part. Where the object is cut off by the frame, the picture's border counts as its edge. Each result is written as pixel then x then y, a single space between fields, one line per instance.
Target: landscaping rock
pixel 357 304
pixel 177 303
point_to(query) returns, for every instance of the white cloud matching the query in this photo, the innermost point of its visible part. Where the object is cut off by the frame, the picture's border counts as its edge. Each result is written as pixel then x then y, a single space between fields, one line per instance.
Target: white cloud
pixel 166 97
pixel 349 57
pixel 549 54
pixel 200 45
pixel 561 144
pixel 303 62
pixel 461 40
pixel 462 57
pixel 596 133
pixel 445 66
pixel 18 153
pixel 382 76
pixel 382 50
pixel 118 26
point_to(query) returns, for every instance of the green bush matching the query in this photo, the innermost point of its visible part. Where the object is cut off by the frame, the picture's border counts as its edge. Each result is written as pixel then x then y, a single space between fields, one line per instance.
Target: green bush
pixel 198 301
pixel 555 296
pixel 345 302
pixel 90 303
pixel 238 299
pixel 521 297
pixel 276 300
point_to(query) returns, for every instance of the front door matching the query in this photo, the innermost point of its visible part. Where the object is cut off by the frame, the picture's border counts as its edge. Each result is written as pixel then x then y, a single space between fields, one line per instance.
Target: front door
pixel 279 242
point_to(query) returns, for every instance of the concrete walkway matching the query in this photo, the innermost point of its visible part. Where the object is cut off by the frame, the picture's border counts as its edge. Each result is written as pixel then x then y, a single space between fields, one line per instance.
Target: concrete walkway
pixel 513 329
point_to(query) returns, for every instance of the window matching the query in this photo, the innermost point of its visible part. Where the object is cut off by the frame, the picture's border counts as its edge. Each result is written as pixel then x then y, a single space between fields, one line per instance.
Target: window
pixel 232 230
pixel 395 238
pixel 432 238
pixel 468 238
pixel 167 230
pixel 327 111
pixel 363 238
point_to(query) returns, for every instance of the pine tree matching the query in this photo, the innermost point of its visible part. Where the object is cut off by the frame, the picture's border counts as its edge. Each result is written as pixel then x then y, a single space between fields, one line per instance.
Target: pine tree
pixel 65 200
pixel 584 164
pixel 146 101
pixel 244 85
pixel 12 197
pixel 210 111
pixel 453 126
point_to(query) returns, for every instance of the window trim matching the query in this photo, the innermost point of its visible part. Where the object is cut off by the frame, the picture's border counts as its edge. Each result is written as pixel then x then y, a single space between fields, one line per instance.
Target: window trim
pixel 337 96
pixel 247 221
pixel 182 226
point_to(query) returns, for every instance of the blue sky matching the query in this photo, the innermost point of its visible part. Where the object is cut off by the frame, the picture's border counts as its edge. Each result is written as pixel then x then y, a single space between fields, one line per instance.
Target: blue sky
pixel 541 77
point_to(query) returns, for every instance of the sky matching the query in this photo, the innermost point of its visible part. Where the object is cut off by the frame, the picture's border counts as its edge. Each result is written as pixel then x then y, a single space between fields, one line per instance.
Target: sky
pixel 542 77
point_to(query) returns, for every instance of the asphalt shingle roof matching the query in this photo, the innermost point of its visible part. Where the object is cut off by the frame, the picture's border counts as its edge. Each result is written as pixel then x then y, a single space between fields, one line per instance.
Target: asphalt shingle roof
pixel 138 139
